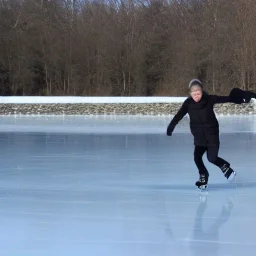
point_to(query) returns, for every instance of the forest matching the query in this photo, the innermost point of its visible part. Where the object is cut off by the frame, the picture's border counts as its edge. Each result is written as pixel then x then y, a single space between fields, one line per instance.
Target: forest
pixel 126 47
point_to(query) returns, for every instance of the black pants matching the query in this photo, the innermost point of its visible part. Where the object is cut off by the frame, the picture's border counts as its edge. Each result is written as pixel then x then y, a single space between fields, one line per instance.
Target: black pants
pixel 212 155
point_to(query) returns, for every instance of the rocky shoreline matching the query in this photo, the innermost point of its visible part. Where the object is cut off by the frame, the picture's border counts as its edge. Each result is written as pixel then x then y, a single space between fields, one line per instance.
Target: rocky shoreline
pixel 117 109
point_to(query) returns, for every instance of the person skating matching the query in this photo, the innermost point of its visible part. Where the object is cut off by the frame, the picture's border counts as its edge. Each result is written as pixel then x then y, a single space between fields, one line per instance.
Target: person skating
pixel 205 127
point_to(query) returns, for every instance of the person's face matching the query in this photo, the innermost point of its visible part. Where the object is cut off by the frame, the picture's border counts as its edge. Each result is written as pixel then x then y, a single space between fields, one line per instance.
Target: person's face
pixel 196 94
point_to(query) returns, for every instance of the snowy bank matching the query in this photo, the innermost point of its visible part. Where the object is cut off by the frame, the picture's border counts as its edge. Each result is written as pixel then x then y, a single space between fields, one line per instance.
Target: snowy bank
pixel 107 106
pixel 86 100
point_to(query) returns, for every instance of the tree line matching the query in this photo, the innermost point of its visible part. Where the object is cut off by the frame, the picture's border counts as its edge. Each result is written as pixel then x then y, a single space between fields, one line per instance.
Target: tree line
pixel 126 47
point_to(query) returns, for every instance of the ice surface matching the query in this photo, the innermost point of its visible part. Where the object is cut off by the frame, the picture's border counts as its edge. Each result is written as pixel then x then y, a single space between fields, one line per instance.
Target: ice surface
pixel 84 185
pixel 114 124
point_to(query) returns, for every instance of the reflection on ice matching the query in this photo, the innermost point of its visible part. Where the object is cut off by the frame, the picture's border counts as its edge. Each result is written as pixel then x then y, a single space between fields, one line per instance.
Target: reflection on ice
pixel 209 236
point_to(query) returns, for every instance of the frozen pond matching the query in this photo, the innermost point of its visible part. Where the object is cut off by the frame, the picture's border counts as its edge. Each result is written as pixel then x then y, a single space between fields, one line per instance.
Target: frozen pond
pixel 118 186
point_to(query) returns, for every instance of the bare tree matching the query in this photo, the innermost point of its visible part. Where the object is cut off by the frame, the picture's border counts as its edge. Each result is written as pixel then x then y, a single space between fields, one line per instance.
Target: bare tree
pixel 125 47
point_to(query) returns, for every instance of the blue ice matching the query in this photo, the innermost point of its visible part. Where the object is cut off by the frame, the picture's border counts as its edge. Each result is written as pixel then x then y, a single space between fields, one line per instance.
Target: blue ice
pixel 118 186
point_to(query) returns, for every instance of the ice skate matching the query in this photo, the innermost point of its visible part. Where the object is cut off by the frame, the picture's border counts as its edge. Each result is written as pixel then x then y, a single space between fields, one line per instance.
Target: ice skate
pixel 202 183
pixel 228 172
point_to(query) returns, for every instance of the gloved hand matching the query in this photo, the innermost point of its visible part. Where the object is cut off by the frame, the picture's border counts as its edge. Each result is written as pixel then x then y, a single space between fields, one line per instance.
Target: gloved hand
pixel 236 96
pixel 169 129
pixel 248 96
pixel 240 96
pixel 169 132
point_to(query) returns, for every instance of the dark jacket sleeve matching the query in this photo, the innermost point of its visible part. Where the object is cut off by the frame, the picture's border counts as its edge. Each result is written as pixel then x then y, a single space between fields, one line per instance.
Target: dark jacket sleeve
pixel 237 96
pixel 180 114
pixel 220 99
pixel 240 96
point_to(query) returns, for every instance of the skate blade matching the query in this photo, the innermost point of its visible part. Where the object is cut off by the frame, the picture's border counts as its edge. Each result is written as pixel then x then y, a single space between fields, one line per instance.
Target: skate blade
pixel 232 177
pixel 203 188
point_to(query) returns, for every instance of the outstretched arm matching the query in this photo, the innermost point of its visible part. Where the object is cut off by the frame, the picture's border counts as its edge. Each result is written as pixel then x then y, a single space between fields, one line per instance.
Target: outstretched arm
pixel 220 99
pixel 237 96
pixel 180 114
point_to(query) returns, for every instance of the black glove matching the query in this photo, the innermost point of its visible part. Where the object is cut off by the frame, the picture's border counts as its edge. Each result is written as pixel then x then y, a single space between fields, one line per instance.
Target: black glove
pixel 169 131
pixel 248 96
pixel 239 96
pixel 236 96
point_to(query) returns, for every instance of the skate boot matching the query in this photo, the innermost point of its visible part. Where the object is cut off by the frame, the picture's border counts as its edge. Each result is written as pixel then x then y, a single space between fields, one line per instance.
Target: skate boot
pixel 229 173
pixel 202 182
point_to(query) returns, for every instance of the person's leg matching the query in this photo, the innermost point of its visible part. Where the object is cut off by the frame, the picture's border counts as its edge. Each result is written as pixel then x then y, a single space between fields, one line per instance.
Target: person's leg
pixel 203 173
pixel 198 158
pixel 212 155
